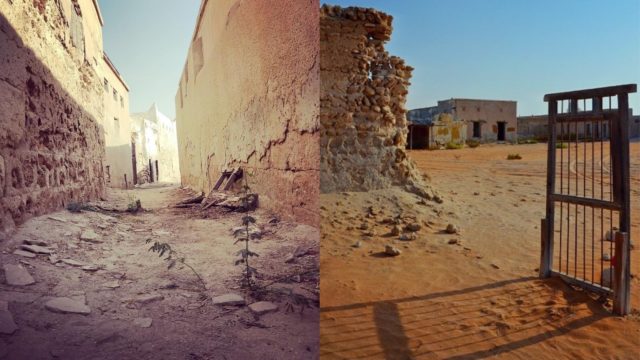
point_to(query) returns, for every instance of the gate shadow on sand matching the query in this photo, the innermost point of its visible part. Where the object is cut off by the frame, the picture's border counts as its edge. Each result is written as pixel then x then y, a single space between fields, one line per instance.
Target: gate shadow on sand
pixel 471 323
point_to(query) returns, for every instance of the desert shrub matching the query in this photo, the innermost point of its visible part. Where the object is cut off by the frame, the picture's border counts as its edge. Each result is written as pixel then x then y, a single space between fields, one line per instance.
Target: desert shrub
pixel 561 145
pixel 514 157
pixel 473 143
pixel 527 141
pixel 451 145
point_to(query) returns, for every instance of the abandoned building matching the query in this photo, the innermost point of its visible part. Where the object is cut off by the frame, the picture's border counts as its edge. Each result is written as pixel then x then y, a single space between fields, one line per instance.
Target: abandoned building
pixel 255 105
pixel 52 147
pixel 536 127
pixel 456 120
pixel 117 127
pixel 155 147
pixel 362 103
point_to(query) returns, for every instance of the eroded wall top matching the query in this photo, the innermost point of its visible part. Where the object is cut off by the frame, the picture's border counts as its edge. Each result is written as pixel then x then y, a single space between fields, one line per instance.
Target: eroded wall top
pixel 362 103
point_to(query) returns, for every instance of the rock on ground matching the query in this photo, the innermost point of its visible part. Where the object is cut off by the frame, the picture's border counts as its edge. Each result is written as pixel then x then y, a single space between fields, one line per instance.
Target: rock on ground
pixel 7 325
pixel 90 236
pixel 263 307
pixel 66 305
pixel 143 322
pixel 17 275
pixel 391 250
pixel 36 249
pixel 228 299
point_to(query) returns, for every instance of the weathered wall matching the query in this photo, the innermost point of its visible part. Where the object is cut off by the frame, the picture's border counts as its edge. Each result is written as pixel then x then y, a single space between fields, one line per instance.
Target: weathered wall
pixel 362 103
pixel 447 130
pixel 248 97
pixel 51 146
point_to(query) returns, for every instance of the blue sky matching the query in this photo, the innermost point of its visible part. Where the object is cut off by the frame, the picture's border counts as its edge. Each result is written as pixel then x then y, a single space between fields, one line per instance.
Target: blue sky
pixel 513 49
pixel 147 40
pixel 494 49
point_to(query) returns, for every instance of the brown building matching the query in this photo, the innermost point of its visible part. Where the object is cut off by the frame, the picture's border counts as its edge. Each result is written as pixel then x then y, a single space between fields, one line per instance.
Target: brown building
pixel 456 120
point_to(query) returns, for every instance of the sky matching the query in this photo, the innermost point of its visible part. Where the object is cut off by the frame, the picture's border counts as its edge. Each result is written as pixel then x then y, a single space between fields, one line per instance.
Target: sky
pixel 148 40
pixel 490 49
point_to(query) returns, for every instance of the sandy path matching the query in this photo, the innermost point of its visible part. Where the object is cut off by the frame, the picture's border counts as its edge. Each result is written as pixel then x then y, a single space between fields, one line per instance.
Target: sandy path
pixel 184 324
pixel 475 297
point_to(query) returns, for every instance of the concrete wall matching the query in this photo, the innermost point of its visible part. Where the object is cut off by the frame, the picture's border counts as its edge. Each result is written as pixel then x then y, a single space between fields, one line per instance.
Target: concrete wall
pixel 362 103
pixel 488 112
pixel 155 139
pixel 249 97
pixel 51 144
pixel 447 130
pixel 117 126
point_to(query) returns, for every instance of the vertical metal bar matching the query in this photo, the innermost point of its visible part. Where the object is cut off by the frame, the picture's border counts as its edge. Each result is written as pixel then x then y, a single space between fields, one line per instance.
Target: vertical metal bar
pixel 545 271
pixel 602 198
pixel 593 195
pixel 624 197
pixel 584 193
pixel 568 193
pixel 612 166
pixel 575 220
pixel 561 191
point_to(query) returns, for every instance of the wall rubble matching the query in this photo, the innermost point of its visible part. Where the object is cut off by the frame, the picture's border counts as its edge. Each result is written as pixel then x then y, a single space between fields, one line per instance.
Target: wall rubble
pixel 363 92
pixel 51 146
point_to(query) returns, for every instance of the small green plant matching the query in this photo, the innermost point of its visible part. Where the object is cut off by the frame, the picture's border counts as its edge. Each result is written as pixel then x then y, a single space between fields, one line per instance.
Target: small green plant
pixel 473 143
pixel 173 258
pixel 451 145
pixel 561 145
pixel 514 157
pixel 243 234
pixel 527 141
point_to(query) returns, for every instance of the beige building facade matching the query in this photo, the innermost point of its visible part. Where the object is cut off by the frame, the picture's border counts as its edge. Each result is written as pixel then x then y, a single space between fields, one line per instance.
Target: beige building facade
pixel 248 97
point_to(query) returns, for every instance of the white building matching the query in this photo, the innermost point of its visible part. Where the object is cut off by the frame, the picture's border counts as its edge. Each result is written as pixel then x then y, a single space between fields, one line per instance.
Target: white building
pixel 156 147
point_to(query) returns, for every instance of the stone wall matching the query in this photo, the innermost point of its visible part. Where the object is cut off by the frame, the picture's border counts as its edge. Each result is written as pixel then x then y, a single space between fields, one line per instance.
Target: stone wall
pixel 363 92
pixel 51 146
pixel 248 97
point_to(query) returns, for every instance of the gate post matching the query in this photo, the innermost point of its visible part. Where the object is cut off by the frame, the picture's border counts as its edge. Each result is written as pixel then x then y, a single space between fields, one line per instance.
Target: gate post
pixel 621 298
pixel 545 251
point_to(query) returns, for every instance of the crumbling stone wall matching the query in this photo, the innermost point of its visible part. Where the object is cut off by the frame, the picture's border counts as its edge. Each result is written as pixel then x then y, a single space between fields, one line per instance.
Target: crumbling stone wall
pixel 248 97
pixel 363 91
pixel 51 146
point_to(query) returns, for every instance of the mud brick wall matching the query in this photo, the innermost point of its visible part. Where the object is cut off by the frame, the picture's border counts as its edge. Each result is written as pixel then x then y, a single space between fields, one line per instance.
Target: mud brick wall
pixel 248 97
pixel 363 121
pixel 51 146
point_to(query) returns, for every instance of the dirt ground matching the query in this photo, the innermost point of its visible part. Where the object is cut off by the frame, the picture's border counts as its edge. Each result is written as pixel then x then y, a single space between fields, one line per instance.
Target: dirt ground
pixel 470 295
pixel 132 286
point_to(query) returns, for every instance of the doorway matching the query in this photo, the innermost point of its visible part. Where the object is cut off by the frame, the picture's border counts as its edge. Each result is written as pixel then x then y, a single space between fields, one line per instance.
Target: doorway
pixel 502 126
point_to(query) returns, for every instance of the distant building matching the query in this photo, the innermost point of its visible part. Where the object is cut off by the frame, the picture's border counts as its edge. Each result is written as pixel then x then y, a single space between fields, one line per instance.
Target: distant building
pixel 117 127
pixel 536 127
pixel 155 147
pixel 456 120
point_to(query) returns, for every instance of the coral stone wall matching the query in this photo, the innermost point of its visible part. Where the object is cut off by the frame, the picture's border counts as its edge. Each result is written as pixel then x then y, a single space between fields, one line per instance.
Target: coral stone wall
pixel 51 146
pixel 363 121
pixel 248 97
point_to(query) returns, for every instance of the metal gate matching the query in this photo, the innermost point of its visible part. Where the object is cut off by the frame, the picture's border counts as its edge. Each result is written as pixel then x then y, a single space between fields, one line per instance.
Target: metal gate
pixel 585 235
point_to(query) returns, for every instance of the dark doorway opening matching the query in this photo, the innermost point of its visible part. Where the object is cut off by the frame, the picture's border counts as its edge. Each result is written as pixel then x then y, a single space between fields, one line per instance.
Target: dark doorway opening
pixel 477 129
pixel 502 126
pixel 418 137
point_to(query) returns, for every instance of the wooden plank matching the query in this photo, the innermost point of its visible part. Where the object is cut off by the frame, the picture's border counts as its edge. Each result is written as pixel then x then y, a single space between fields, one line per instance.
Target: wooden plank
pixel 590 93
pixel 546 252
pixel 621 298
pixel 593 287
pixel 594 203
pixel 223 176
pixel 625 191
pixel 586 117
pixel 232 178
pixel 551 183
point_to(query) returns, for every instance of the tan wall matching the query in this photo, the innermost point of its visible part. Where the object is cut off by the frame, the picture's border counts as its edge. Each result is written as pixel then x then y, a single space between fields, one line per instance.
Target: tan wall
pixel 254 101
pixel 51 144
pixel 490 112
pixel 362 103
pixel 117 134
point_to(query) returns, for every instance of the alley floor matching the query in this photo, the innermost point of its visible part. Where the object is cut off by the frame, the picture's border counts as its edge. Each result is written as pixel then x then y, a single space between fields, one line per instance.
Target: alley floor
pixel 465 291
pixel 97 292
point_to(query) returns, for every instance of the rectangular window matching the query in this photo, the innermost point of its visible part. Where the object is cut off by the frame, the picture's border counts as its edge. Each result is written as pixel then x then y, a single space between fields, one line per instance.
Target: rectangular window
pixel 106 85
pixel 121 102
pixel 115 95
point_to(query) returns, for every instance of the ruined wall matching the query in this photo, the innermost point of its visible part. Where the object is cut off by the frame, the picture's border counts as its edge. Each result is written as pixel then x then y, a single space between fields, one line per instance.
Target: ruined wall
pixel 51 146
pixel 362 103
pixel 248 97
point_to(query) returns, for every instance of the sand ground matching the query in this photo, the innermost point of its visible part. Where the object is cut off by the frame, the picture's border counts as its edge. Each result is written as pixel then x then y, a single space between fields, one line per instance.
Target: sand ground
pixel 185 324
pixel 469 295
